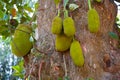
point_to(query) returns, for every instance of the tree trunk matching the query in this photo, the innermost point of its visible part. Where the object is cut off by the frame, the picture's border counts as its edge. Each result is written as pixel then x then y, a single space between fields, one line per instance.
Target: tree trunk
pixel 101 62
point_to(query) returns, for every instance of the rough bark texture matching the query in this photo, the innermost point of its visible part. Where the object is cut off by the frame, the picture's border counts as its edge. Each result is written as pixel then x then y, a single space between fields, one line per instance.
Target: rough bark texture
pixel 101 62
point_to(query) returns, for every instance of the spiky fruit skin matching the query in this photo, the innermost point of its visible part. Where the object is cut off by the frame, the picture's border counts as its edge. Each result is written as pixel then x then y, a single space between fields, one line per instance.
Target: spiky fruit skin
pixel 57 2
pixel 56 25
pixel 98 0
pixel 69 26
pixel 76 53
pixel 21 44
pixel 62 42
pixel 93 21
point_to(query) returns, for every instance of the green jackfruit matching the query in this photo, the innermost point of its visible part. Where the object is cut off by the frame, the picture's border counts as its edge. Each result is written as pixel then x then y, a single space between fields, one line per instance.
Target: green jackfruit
pixel 69 26
pixel 57 2
pixel 93 21
pixel 62 42
pixel 98 0
pixel 21 44
pixel 56 25
pixel 76 53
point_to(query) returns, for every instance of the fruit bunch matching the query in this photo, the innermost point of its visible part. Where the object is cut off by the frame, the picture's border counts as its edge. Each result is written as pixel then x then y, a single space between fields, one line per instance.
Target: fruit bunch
pixel 21 44
pixel 65 31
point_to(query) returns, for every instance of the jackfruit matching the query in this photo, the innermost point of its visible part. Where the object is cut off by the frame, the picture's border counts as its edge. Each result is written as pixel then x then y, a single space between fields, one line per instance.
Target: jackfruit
pixel 76 53
pixel 56 25
pixel 69 26
pixel 21 44
pixel 57 2
pixel 98 0
pixel 62 42
pixel 93 21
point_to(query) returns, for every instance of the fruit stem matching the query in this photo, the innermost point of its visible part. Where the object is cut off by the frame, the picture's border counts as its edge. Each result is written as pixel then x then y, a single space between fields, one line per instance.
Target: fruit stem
pixel 89 4
pixel 58 13
pixel 58 9
pixel 65 13
pixel 65 10
pixel 73 38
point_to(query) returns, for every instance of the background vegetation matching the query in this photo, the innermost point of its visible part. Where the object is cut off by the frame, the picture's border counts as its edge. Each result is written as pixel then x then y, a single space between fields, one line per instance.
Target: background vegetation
pixel 12 13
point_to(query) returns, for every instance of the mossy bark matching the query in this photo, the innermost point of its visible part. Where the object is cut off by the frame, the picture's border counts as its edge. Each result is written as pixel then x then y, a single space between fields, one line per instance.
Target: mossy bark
pixel 50 66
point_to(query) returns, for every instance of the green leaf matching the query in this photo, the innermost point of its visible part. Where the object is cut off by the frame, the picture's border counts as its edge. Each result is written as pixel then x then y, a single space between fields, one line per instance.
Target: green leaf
pixel 1 5
pixel 5 33
pixel 17 68
pixel 21 64
pixel 36 6
pixel 113 35
pixel 60 78
pixel 72 7
pixel 3 28
pixel 89 79
pixel 1 14
pixel 65 3
pixel 28 8
pixel 2 22
pixel 66 78
pixel 18 75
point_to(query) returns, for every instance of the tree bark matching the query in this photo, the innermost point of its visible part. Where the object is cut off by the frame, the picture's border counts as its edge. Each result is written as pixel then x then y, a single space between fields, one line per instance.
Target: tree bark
pixel 98 48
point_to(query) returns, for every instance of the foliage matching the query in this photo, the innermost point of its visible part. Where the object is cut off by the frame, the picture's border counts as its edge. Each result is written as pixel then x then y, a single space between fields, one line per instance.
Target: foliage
pixel 113 35
pixel 12 13
pixel 19 70
pixel 89 79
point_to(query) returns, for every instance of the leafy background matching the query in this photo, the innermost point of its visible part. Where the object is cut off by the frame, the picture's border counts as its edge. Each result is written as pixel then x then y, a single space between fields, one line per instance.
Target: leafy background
pixel 12 13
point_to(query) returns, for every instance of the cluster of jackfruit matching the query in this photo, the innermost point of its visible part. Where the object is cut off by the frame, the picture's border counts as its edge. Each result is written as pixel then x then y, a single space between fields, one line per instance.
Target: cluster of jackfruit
pixel 93 21
pixel 64 31
pixel 21 43
pixel 67 26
